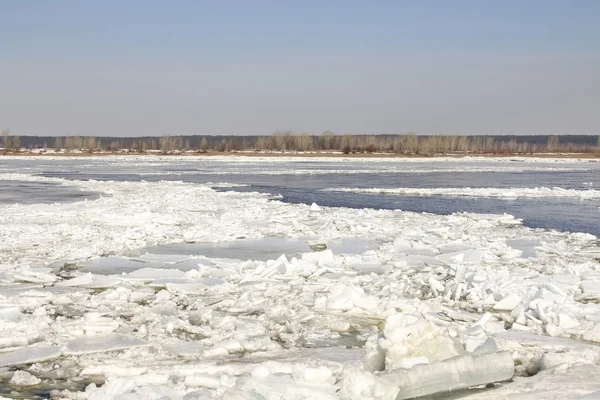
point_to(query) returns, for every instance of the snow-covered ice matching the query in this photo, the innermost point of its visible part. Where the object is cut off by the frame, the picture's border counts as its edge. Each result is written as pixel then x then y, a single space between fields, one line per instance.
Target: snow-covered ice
pixel 175 290
pixel 508 193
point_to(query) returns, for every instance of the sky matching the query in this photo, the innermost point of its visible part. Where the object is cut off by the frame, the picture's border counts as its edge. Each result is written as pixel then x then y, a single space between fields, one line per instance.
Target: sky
pixel 145 67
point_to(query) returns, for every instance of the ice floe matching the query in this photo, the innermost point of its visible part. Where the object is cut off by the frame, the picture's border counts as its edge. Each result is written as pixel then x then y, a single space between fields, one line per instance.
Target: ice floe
pixel 504 193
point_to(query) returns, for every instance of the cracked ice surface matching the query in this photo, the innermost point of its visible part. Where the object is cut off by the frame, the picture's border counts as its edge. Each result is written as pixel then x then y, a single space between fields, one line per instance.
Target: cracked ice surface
pixel 436 303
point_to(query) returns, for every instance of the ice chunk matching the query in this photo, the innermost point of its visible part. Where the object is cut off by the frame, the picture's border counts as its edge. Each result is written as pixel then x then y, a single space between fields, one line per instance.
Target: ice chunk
pixel 282 388
pixel 593 334
pixel 471 343
pixel 358 384
pixel 312 376
pixel 317 257
pixel 32 275
pixel 460 274
pixel 526 246
pixel 186 288
pixel 183 348
pixel 370 266
pixel 315 207
pixel 410 339
pixel 566 322
pixel 29 355
pixel 94 323
pixel 552 360
pixel 96 344
pixel 590 287
pixel 342 297
pixel 24 378
pixel 508 303
pixel 488 347
pixel 78 281
pixel 583 236
pixel 402 245
pixel 366 302
pixel 113 265
pixel 532 346
pixel 453 374
pixel 577 382
pixel 423 261
pixel 12 314
pixel 113 388
pixel 90 281
pixel 467 256
pixel 203 380
pixel 9 339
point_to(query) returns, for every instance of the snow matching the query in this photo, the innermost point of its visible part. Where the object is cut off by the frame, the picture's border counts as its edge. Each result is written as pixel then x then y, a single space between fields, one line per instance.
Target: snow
pixel 175 289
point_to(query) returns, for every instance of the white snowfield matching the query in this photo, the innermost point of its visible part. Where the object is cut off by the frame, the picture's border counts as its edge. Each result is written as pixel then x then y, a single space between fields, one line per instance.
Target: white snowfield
pixel 475 304
pixel 507 193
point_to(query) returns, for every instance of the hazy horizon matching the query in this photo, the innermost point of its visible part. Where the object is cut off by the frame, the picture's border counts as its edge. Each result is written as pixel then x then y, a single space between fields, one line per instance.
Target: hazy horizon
pixel 148 68
pixel 11 133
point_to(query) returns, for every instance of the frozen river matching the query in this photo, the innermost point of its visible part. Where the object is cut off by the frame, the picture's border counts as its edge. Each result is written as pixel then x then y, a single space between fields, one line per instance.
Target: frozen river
pixel 294 278
pixel 439 187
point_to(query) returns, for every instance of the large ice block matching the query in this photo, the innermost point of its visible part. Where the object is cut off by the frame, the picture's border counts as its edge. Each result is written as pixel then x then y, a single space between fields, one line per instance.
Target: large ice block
pixel 358 384
pixel 452 374
pixel 29 355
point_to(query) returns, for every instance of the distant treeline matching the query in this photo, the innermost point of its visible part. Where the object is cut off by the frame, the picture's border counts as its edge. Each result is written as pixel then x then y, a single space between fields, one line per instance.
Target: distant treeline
pixel 289 141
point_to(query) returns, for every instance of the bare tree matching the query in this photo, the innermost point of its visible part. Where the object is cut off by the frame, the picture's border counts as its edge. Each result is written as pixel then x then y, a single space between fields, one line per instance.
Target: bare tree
pixel 165 144
pixel 204 144
pixel 285 141
pixel 552 144
pixel 10 143
pixel 170 143
pixel 91 144
pixel 16 144
pixel 6 140
pixel 328 139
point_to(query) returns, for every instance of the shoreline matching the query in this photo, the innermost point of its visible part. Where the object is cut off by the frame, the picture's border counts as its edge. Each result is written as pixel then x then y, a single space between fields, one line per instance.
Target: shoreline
pixel 310 155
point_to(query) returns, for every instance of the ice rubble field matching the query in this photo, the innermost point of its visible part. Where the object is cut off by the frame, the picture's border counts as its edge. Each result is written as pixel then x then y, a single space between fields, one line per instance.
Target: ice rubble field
pixel 437 303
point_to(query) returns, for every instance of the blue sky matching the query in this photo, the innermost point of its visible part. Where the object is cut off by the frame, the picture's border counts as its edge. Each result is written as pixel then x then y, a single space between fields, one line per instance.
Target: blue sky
pixel 131 68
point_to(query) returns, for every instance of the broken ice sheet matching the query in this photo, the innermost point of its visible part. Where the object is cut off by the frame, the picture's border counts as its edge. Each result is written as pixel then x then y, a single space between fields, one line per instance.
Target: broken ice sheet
pixel 263 249
pixel 242 249
pixel 526 246
pixel 30 355
pixel 101 343
pixel 115 265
